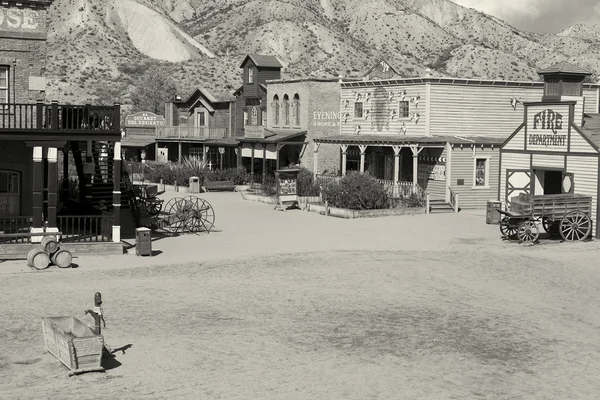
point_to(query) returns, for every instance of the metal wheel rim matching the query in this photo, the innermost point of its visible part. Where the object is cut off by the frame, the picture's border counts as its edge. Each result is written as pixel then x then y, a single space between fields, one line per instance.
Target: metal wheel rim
pixel 171 216
pixel 507 231
pixel 528 232
pixel 154 207
pixel 202 215
pixel 575 226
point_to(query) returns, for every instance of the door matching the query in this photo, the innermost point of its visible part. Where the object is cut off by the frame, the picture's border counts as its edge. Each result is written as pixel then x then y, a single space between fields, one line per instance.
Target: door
pixel 517 181
pixel 10 193
pixel 553 182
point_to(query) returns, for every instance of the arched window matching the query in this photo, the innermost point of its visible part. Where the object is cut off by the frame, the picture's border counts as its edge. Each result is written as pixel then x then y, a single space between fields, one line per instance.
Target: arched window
pixel 296 110
pixel 286 110
pixel 276 110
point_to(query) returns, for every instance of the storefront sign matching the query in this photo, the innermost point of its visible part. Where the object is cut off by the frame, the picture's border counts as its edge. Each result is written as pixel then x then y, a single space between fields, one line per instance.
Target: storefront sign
pixel 20 20
pixel 545 131
pixel 144 118
pixel 326 118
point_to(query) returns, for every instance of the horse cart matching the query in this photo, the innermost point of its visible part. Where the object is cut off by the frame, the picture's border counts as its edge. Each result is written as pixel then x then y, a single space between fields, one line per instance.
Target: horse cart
pixel 564 215
pixel 179 215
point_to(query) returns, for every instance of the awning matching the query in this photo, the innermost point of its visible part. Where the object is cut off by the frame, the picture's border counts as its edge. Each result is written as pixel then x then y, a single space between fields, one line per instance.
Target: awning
pixel 405 140
pixel 259 151
pixel 137 141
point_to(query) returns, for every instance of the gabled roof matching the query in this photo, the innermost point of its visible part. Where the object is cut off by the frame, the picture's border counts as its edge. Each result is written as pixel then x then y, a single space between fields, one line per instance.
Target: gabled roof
pixel 379 63
pixel 204 93
pixel 262 61
pixel 565 68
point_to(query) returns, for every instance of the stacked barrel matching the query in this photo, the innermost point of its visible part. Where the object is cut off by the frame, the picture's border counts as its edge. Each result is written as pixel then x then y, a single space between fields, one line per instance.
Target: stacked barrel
pixel 49 253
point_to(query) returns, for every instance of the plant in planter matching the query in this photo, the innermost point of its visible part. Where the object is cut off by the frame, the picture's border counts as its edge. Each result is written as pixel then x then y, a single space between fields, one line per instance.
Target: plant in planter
pixel 356 191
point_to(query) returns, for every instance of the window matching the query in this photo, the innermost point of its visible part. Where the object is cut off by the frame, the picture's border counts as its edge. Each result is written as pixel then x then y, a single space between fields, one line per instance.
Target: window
pixel 245 117
pixel 286 110
pixel 552 87
pixel 250 75
pixel 201 119
pixel 196 152
pixel 9 182
pixel 263 114
pixel 571 88
pixel 4 85
pixel 296 110
pixel 481 175
pixel 403 109
pixel 254 116
pixel 276 110
pixel 358 110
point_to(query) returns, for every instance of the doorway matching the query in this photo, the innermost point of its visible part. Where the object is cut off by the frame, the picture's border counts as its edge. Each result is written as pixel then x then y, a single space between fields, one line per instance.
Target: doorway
pixel 548 181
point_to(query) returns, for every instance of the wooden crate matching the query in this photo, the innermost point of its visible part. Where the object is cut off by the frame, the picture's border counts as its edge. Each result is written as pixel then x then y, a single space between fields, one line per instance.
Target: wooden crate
pixel 73 343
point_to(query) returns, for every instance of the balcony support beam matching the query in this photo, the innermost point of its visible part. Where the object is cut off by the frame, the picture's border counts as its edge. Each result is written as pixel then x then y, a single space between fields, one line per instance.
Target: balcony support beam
pixel 38 195
pixel 116 228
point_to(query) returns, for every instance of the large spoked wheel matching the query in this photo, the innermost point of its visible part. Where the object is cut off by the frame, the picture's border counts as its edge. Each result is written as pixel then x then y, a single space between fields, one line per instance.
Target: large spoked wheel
pixel 154 207
pixel 550 226
pixel 202 215
pixel 528 232
pixel 508 230
pixel 174 216
pixel 576 225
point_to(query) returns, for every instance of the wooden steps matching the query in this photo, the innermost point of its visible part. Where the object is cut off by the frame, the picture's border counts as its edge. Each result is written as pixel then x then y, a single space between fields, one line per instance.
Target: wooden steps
pixel 439 207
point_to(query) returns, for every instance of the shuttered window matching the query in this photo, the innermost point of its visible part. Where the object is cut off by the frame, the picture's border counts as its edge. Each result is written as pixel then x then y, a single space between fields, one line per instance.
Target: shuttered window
pixel 403 109
pixel 358 110
pixel 4 85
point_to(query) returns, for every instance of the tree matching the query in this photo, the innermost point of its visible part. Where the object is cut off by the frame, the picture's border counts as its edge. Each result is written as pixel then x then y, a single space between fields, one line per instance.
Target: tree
pixel 153 89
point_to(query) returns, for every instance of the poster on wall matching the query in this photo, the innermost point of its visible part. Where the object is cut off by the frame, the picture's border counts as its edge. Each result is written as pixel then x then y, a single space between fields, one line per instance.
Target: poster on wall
pixel 432 172
pixel 287 188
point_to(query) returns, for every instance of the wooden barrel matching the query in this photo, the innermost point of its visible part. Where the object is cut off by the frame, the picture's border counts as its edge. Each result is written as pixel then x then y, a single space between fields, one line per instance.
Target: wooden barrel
pixel 38 259
pixel 49 244
pixel 62 258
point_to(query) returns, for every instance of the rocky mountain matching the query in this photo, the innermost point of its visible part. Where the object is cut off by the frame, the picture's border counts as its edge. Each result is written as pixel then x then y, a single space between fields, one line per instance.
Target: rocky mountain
pixel 98 48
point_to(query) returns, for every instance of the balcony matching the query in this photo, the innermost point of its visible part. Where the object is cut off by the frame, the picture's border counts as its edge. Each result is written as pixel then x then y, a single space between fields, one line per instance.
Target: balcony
pixel 60 121
pixel 190 132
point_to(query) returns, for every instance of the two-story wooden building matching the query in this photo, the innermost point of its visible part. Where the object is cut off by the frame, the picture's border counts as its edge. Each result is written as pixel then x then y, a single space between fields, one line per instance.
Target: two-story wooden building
pixel 200 126
pixel 35 136
pixel 442 134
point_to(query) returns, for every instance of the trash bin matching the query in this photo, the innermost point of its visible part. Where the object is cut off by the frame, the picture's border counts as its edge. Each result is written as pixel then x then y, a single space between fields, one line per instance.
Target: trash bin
pixel 194 184
pixel 492 216
pixel 143 242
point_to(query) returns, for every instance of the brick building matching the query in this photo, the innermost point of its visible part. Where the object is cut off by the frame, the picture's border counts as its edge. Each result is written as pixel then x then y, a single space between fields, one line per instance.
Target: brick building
pixel 34 134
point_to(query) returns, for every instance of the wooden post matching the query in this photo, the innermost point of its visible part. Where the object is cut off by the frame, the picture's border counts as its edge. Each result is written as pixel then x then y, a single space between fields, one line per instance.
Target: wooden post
pixel 179 148
pixel 155 151
pixel 65 181
pixel 117 119
pixel 39 114
pixel 316 159
pixel 427 203
pixel 38 196
pixel 252 164
pixel 116 228
pixel 52 187
pixel 264 163
pixel 415 151
pixel 397 163
pixel 344 148
pixel 54 116
pixel 363 151
pixel 238 153
pixel 277 161
pixel 88 177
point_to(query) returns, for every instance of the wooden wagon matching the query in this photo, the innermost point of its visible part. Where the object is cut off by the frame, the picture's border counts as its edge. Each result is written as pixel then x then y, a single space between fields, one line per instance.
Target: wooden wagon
pixel 564 215
pixel 73 343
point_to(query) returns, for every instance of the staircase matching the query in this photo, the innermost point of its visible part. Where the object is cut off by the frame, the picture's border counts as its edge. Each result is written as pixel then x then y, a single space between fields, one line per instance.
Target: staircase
pixel 439 207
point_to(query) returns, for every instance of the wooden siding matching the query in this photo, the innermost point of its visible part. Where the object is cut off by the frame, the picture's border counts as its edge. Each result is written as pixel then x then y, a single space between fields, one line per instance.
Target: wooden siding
pixel 579 144
pixel 478 110
pixel 239 116
pixel 511 161
pixel 517 142
pixel 591 100
pixel 548 161
pixel 585 178
pixel 265 74
pixel 376 100
pixel 463 167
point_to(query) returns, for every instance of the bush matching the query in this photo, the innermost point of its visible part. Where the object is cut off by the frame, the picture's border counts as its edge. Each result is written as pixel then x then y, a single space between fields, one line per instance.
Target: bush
pixel 268 187
pixel 357 191
pixel 306 183
pixel 171 171
pixel 239 176
pixel 413 200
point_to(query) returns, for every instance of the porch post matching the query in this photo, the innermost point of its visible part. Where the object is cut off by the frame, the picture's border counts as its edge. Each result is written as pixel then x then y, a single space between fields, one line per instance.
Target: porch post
pixel 88 177
pixel 316 160
pixel 52 188
pixel 278 150
pixel 38 196
pixel 116 228
pixel 396 162
pixel 155 151
pixel 65 181
pixel 344 148
pixel 264 163
pixel 252 164
pixel 205 150
pixel 179 148
pixel 415 151
pixel 363 151
pixel 238 157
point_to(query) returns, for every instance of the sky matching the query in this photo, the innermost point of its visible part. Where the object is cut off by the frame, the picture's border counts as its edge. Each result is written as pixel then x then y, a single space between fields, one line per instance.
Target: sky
pixel 538 15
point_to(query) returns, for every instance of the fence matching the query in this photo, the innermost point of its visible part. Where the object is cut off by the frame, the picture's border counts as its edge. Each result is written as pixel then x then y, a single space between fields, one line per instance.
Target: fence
pixel 15 225
pixel 85 228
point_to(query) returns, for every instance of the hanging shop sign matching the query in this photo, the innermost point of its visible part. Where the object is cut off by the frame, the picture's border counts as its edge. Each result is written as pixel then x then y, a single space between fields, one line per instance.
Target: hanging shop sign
pixel 547 129
pixel 287 188
pixel 144 118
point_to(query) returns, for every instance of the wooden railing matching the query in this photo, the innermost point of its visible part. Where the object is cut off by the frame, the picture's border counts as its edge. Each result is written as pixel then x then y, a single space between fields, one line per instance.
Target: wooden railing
pixel 453 199
pixel 15 225
pixel 191 132
pixel 85 228
pixel 60 117
pixel 402 188
pixel 324 180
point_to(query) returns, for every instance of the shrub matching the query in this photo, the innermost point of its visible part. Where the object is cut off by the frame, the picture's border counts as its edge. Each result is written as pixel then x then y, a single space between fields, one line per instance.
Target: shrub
pixel 306 183
pixel 239 176
pixel 413 200
pixel 171 171
pixel 268 187
pixel 357 191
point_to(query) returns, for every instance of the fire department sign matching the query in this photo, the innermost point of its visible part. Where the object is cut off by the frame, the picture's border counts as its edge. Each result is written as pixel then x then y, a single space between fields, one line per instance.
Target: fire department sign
pixel 546 129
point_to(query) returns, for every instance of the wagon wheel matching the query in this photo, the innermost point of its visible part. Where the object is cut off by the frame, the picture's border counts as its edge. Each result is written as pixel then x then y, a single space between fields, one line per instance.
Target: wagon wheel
pixel 154 207
pixel 528 232
pixel 576 225
pixel 202 215
pixel 550 226
pixel 507 229
pixel 173 216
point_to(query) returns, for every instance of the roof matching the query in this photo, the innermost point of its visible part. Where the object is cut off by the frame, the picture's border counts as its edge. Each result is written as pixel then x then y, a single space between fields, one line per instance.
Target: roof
pixel 311 79
pixel 379 63
pixel 262 61
pixel 228 141
pixel 414 140
pixel 591 127
pixel 564 68
pixel 137 140
pixel 273 137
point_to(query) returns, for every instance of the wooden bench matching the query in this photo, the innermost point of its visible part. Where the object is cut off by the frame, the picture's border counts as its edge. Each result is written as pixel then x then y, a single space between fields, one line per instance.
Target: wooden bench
pixel 218 186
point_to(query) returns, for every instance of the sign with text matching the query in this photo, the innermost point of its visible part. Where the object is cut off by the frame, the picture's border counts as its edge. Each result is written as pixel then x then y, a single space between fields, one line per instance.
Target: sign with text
pixel 22 20
pixel 144 118
pixel 547 128
pixel 326 118
pixel 287 188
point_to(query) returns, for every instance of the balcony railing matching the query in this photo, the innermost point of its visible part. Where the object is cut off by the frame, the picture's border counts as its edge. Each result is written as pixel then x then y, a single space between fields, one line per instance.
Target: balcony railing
pixel 60 117
pixel 85 228
pixel 191 132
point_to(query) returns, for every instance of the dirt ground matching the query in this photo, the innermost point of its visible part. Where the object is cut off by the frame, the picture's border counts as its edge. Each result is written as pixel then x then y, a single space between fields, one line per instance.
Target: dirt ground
pixel 296 305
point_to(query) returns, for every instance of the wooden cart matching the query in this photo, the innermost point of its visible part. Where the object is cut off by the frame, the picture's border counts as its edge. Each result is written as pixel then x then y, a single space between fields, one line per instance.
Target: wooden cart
pixel 73 343
pixel 567 215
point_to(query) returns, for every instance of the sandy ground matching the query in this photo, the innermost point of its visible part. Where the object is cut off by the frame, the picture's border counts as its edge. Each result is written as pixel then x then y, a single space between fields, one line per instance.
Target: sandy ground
pixel 296 305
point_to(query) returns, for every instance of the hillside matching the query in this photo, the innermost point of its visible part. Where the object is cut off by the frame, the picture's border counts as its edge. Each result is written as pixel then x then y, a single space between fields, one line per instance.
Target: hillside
pixel 98 48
